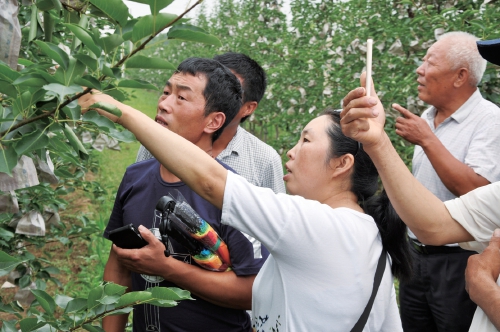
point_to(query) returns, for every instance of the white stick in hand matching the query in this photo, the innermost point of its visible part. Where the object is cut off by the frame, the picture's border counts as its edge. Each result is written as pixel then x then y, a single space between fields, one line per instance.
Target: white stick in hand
pixel 369 47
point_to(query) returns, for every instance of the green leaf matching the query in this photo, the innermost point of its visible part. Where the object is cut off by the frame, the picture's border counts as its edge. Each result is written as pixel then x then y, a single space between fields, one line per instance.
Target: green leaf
pixel 109 43
pixel 85 37
pixel 35 140
pixel 62 91
pixel 63 300
pixel 170 293
pixel 113 289
pixel 6 234
pixel 157 5
pixel 33 25
pixel 48 25
pixel 58 145
pixel 46 301
pixel 149 25
pixel 137 84
pixel 163 303
pixel 54 52
pixel 8 88
pixel 111 72
pixel 74 141
pixel 126 31
pixel 40 95
pixel 25 62
pixel 99 120
pixel 22 102
pixel 76 69
pixel 92 328
pixel 121 311
pixel 9 326
pixel 478 24
pixel 8 160
pixel 7 74
pixel 57 4
pixel 115 9
pixel 75 305
pixel 141 61
pixel 192 33
pixel 44 5
pixel 49 78
pixel 24 281
pixel 94 296
pixel 123 136
pixel 87 60
pixel 89 82
pixel 30 80
pixel 73 110
pixel 8 263
pixel 46 328
pixel 114 92
pixel 133 298
pixel 30 324
pixel 110 108
pixel 83 22
pixel 109 299
pixel 11 308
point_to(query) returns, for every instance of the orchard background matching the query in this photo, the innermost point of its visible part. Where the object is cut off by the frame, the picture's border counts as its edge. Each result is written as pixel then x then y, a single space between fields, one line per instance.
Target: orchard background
pixel 55 207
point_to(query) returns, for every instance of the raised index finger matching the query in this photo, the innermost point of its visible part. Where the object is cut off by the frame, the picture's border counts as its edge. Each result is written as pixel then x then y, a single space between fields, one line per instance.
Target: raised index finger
pixel 403 111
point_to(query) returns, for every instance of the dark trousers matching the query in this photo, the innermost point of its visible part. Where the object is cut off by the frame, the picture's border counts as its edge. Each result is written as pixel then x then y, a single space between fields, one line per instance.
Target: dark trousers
pixel 435 298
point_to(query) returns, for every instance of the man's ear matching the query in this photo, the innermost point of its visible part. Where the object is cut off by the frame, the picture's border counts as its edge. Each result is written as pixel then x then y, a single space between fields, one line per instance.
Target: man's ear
pixel 248 108
pixel 462 77
pixel 342 165
pixel 215 121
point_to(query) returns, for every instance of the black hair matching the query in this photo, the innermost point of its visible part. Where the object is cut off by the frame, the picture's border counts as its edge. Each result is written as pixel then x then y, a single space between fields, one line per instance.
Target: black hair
pixel 254 77
pixel 364 184
pixel 222 92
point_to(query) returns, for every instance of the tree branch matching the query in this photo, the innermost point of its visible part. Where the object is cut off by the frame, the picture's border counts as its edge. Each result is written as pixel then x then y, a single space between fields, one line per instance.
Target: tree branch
pixel 87 90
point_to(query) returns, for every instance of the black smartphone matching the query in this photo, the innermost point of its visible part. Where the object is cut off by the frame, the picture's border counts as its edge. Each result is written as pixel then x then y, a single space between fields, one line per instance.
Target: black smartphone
pixel 127 237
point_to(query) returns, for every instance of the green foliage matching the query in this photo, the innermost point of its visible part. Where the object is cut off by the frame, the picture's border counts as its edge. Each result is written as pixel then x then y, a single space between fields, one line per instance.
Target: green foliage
pixel 64 313
pixel 69 48
pixel 41 90
pixel 315 56
pixel 312 58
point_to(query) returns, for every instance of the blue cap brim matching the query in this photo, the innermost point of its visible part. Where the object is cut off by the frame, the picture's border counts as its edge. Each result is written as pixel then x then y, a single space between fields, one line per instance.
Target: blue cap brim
pixel 490 50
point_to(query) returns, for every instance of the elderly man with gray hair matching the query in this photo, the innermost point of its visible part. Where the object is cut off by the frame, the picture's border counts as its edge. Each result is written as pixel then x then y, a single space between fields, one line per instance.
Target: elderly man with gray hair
pixel 456 151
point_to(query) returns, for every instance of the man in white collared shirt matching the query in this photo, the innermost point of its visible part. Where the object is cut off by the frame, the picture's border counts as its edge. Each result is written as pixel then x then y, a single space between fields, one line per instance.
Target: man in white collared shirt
pixel 456 151
pixel 469 219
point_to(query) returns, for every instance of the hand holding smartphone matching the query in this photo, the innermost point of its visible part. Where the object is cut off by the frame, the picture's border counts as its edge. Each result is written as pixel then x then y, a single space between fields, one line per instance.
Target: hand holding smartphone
pixel 127 237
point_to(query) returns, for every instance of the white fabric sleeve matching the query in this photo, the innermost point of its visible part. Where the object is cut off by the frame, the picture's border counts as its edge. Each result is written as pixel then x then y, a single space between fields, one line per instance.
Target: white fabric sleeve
pixel 257 211
pixel 479 213
pixel 483 151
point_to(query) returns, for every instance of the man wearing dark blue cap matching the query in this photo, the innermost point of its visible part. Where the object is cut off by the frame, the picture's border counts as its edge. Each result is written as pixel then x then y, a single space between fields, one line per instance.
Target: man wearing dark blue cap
pixel 456 151
pixel 490 50
pixel 472 220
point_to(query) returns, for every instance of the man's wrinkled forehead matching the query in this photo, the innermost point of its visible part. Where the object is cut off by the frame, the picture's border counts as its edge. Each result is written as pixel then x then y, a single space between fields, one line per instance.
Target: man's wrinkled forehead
pixel 185 82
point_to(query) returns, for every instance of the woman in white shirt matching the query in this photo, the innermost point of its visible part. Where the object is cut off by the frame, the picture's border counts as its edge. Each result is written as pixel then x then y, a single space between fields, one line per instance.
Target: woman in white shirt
pixel 323 240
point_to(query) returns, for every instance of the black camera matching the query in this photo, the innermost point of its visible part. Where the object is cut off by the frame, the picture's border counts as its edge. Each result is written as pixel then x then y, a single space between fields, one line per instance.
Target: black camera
pixel 171 225
pixel 182 223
